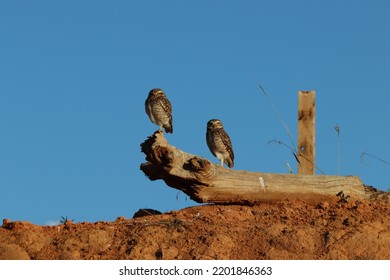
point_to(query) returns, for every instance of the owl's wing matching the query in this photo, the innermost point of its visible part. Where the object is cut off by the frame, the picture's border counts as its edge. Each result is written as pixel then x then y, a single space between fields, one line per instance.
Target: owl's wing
pixel 166 105
pixel 167 109
pixel 227 143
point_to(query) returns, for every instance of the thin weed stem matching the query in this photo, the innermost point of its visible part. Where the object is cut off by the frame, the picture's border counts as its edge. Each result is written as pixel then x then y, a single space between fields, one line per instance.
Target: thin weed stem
pixel 278 115
pixel 294 153
pixel 337 128
pixel 364 154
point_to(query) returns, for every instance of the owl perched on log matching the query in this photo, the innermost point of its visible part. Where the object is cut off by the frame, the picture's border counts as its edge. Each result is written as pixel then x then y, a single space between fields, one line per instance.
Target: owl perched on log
pixel 219 142
pixel 159 109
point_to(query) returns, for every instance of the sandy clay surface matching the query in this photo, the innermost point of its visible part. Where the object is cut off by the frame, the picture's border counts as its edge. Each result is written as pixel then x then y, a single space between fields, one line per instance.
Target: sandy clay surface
pixel 333 228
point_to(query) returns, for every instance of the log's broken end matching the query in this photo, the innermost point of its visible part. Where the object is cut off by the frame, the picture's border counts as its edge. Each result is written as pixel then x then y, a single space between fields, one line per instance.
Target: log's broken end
pixel 151 171
pixel 178 169
pixel 155 149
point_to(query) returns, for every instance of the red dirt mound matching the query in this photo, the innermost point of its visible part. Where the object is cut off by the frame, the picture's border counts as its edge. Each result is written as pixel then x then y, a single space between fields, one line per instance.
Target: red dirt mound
pixel 333 228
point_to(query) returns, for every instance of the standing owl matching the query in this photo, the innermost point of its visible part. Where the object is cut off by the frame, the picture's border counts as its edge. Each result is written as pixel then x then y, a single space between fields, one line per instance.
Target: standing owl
pixel 159 109
pixel 219 142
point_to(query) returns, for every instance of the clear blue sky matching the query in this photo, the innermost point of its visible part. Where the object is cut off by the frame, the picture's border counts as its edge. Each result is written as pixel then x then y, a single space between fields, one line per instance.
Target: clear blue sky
pixel 74 76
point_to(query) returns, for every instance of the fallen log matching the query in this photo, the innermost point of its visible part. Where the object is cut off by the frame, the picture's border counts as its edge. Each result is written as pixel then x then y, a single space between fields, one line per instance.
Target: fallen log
pixel 204 181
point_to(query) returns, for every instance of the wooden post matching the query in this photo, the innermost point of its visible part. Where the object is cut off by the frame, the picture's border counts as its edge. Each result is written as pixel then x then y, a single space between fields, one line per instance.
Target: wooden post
pixel 306 132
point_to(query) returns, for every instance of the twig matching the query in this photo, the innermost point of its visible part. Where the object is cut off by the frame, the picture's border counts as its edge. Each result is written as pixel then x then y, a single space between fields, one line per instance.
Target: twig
pixel 279 116
pixel 289 168
pixel 375 157
pixel 294 153
pixel 337 128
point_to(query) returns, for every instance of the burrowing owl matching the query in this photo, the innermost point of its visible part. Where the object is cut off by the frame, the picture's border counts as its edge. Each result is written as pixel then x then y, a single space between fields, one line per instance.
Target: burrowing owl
pixel 219 142
pixel 159 109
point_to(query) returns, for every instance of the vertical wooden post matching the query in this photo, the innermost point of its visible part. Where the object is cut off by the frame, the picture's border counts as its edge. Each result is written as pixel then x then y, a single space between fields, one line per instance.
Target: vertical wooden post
pixel 306 132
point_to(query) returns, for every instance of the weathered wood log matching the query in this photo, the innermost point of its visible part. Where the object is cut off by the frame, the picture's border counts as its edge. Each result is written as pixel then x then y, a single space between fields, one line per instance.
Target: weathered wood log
pixel 204 181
